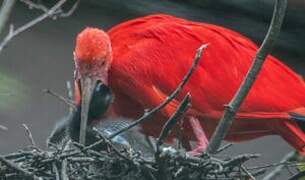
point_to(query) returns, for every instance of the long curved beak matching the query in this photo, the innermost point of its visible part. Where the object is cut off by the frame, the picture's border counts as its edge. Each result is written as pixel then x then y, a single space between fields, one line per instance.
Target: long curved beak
pixel 87 86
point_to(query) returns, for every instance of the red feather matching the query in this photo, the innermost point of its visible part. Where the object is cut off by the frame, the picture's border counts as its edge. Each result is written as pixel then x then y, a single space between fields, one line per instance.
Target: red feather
pixel 151 55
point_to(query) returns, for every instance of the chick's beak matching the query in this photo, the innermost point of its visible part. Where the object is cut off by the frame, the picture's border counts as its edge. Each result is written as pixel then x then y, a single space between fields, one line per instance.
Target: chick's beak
pixel 87 85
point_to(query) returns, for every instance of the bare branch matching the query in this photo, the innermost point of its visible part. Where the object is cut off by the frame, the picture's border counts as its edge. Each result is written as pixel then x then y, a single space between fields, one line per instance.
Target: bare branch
pixel 70 95
pixel 165 102
pixel 71 11
pixel 12 33
pixel 14 166
pixel 33 144
pixel 231 109
pixel 61 98
pixel 223 148
pixel 3 128
pixel 184 105
pixel 64 175
pixel 59 12
pixel 55 169
pixel 273 174
pixel 6 9
pixel 298 176
pixel 32 5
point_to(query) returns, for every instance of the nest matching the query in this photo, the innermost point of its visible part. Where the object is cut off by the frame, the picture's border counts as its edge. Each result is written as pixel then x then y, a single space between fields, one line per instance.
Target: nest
pixel 74 161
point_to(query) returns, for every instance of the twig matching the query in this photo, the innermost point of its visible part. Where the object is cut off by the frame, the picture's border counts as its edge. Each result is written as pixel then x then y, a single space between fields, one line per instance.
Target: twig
pixel 32 5
pixel 240 159
pixel 14 32
pixel 71 11
pixel 219 150
pixel 111 145
pixel 231 109
pixel 298 176
pixel 150 143
pixel 184 105
pixel 61 98
pixel 58 13
pixel 63 173
pixel 273 174
pixel 275 165
pixel 16 168
pixel 3 128
pixel 6 9
pixel 33 144
pixel 165 102
pixel 244 169
pixel 55 169
pixel 70 94
pixel 170 97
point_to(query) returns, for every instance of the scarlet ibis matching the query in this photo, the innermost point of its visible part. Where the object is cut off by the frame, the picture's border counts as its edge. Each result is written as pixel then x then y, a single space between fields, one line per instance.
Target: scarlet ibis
pixel 143 60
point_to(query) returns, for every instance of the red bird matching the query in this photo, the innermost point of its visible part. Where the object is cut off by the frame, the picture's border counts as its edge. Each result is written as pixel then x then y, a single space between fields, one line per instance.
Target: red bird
pixel 143 60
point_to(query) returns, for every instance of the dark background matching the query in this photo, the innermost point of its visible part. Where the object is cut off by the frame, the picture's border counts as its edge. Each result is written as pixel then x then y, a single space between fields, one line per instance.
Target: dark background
pixel 42 58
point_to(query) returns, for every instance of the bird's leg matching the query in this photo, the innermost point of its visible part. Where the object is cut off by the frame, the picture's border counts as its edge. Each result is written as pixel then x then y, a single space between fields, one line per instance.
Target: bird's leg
pixel 201 138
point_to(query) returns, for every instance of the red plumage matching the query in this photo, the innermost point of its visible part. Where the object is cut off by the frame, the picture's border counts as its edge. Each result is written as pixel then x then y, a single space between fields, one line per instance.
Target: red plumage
pixel 150 55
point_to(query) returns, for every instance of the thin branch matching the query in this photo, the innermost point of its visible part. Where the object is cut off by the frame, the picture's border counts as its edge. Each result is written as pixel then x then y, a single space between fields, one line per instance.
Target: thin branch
pixel 273 174
pixel 110 143
pixel 27 130
pixel 58 13
pixel 63 173
pixel 298 176
pixel 231 109
pixel 70 95
pixel 244 169
pixel 61 98
pixel 14 166
pixel 165 102
pixel 170 97
pixel 55 169
pixel 3 128
pixel 182 108
pixel 32 5
pixel 14 32
pixel 184 105
pixel 224 148
pixel 6 9
pixel 71 11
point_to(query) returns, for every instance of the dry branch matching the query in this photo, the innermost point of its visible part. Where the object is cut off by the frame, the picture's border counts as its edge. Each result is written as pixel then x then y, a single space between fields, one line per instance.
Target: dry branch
pixel 151 112
pixel 59 13
pixel 30 136
pixel 273 174
pixel 67 101
pixel 89 164
pixel 170 97
pixel 184 105
pixel 53 12
pixel 232 108
pixel 6 9
pixel 3 128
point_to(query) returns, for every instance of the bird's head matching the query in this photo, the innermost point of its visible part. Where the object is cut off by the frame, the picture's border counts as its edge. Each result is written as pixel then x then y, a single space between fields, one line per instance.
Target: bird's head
pixel 92 56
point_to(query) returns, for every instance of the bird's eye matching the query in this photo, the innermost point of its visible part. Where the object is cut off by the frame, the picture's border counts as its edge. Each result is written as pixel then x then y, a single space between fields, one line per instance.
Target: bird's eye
pixel 103 63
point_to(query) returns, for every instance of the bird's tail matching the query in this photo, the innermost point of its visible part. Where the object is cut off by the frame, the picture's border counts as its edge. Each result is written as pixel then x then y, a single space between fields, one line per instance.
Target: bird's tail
pixel 293 131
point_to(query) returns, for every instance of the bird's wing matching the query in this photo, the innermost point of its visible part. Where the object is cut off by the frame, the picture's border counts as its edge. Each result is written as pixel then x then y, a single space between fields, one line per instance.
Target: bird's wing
pixel 157 51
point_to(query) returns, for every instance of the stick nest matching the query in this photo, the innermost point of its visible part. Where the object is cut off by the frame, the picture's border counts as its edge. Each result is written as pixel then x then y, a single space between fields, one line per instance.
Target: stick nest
pixel 74 161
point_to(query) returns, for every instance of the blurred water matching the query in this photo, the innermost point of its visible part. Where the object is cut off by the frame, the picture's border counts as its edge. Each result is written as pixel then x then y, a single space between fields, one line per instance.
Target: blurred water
pixel 42 58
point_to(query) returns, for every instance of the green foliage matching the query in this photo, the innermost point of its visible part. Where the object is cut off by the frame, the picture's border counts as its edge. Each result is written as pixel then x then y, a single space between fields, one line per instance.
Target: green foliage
pixel 12 92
